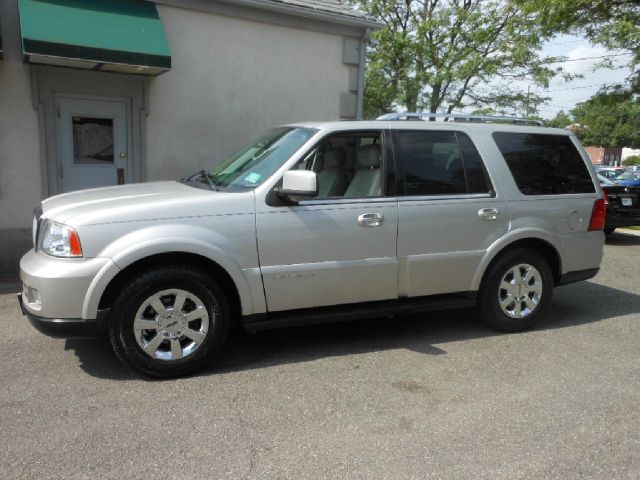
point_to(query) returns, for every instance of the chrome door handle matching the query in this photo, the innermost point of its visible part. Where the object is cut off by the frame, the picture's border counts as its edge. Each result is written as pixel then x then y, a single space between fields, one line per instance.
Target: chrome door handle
pixel 488 213
pixel 370 219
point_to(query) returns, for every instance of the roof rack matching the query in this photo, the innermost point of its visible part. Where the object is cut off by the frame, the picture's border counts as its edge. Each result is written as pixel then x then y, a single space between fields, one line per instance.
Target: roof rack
pixel 459 117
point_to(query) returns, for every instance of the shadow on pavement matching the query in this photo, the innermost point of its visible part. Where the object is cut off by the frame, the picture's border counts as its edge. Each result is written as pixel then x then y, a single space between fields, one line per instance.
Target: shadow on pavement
pixel 573 305
pixel 619 238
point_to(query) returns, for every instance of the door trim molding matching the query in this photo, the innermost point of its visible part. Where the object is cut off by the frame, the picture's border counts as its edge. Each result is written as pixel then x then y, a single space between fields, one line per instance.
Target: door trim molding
pixel 48 82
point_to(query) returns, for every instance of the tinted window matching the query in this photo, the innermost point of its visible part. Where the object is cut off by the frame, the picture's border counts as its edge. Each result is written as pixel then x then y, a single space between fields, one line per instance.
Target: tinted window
pixel 439 163
pixel 544 164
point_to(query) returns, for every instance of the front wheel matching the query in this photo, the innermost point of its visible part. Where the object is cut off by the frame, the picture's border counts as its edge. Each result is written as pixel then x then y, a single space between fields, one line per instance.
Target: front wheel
pixel 169 321
pixel 516 290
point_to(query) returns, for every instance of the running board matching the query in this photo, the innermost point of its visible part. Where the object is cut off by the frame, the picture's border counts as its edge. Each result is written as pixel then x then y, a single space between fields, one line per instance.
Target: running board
pixel 356 311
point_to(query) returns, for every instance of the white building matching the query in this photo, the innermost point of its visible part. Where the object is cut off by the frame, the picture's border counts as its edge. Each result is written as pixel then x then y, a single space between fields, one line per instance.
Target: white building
pixel 116 91
pixel 630 152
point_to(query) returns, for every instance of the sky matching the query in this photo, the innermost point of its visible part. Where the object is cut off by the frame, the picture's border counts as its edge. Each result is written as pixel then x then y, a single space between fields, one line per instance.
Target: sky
pixel 564 95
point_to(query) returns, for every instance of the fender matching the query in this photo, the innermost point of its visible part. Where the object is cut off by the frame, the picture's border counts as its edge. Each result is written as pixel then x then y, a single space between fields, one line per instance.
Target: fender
pixel 154 240
pixel 509 238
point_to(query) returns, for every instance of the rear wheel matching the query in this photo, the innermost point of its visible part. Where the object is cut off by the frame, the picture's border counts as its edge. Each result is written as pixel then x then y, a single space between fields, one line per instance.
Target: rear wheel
pixel 169 321
pixel 516 290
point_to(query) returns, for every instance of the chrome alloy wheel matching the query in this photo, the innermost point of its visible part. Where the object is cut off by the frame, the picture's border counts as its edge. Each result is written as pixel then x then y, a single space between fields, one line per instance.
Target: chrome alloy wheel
pixel 171 324
pixel 520 291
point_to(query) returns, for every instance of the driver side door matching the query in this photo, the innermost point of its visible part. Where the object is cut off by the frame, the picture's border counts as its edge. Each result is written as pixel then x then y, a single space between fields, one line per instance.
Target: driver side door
pixel 339 249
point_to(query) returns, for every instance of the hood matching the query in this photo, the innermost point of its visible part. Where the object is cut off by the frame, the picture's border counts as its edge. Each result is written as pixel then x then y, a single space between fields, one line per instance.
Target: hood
pixel 140 201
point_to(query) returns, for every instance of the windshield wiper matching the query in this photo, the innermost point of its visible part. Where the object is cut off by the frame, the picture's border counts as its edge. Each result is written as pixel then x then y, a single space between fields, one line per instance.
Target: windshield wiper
pixel 199 177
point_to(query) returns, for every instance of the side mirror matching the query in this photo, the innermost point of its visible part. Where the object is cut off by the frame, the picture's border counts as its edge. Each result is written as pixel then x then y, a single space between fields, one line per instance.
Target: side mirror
pixel 298 185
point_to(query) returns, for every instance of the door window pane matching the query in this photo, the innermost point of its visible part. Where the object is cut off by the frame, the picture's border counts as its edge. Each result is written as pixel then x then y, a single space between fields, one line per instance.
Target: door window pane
pixel 347 164
pixel 477 179
pixel 92 140
pixel 543 164
pixel 439 163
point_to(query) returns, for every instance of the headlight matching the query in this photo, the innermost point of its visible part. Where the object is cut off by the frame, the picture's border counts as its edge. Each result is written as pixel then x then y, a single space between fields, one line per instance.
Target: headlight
pixel 59 240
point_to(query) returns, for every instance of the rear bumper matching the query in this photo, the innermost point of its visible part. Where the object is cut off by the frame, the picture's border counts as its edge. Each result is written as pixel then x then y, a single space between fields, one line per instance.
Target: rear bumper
pixel 66 327
pixel 623 219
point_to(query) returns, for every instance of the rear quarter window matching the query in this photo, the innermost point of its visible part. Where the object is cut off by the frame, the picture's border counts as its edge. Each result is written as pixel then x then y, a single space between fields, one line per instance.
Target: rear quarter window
pixel 544 164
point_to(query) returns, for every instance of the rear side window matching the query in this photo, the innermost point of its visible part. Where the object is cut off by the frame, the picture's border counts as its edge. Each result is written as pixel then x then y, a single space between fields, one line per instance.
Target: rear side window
pixel 544 164
pixel 439 163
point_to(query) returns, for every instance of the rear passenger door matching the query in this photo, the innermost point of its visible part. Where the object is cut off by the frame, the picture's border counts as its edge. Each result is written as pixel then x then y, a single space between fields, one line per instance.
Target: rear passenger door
pixel 449 211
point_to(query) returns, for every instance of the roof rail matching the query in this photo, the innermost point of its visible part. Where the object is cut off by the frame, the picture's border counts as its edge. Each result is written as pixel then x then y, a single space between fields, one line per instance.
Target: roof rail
pixel 459 117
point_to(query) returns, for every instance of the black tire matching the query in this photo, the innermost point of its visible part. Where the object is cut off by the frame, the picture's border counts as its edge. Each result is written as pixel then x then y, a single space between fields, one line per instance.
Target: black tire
pixel 609 230
pixel 131 301
pixel 491 292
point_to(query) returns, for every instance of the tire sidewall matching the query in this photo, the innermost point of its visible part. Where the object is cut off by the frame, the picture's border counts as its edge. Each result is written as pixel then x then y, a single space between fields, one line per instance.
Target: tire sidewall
pixel 489 304
pixel 125 309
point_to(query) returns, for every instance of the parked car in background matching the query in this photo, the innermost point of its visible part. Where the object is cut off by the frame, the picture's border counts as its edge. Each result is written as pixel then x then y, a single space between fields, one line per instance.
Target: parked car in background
pixel 610 172
pixel 623 205
pixel 628 179
pixel 633 168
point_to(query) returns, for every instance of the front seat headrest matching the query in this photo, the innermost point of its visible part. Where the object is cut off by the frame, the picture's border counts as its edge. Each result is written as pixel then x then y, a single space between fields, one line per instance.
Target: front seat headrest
pixel 333 159
pixel 370 156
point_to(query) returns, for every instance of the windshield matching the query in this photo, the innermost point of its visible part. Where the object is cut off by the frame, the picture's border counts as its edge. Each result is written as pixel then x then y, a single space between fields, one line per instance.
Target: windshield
pixel 251 166
pixel 629 176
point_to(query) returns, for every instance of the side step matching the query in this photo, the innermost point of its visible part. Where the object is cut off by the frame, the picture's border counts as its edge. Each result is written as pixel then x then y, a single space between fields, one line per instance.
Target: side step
pixel 355 311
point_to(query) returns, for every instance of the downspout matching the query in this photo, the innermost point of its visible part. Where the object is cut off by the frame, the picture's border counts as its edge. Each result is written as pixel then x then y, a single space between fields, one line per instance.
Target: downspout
pixel 361 65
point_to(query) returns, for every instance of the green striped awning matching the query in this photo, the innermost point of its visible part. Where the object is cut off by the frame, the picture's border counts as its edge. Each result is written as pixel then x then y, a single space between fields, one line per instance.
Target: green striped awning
pixel 111 35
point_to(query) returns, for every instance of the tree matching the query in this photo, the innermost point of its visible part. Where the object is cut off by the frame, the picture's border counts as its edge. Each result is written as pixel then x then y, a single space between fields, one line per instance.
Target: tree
pixel 611 118
pixel 561 120
pixel 632 160
pixel 435 55
pixel 612 23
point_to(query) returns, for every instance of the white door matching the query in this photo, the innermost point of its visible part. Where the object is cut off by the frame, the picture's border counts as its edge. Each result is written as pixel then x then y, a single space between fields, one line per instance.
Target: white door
pixel 92 139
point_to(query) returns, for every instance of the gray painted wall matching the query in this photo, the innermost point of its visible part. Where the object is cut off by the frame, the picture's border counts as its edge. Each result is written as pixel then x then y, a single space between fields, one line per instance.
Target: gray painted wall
pixel 230 80
pixel 20 175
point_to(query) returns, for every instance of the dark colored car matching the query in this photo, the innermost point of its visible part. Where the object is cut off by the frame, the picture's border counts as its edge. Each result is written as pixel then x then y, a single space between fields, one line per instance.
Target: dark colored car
pixel 623 205
pixel 629 179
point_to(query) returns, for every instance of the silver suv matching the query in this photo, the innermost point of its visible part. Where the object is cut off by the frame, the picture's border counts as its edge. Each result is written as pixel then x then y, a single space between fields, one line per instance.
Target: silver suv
pixel 320 222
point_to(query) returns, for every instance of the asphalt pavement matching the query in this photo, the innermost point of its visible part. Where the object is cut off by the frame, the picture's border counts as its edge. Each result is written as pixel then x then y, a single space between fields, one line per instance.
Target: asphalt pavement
pixel 414 397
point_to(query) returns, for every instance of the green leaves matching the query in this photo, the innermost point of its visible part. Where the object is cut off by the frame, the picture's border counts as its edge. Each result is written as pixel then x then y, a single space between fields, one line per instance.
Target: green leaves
pixel 610 118
pixel 436 55
pixel 614 24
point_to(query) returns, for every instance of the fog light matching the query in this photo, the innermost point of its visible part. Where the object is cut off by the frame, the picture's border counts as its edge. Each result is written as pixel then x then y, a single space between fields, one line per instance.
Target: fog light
pixel 32 297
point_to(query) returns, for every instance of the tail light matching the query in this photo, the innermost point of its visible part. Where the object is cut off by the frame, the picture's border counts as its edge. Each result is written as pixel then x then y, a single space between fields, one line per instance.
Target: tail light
pixel 598 215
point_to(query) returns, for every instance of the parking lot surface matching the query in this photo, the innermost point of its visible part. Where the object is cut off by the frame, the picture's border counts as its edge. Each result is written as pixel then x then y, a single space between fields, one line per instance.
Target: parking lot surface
pixel 426 396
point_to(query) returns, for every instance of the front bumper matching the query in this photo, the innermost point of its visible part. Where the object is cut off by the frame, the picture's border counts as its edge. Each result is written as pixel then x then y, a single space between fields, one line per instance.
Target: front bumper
pixel 58 287
pixel 67 327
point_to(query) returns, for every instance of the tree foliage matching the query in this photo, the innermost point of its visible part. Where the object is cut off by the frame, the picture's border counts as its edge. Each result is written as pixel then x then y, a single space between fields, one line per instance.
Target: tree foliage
pixel 632 160
pixel 611 118
pixel 561 120
pixel 612 23
pixel 444 55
